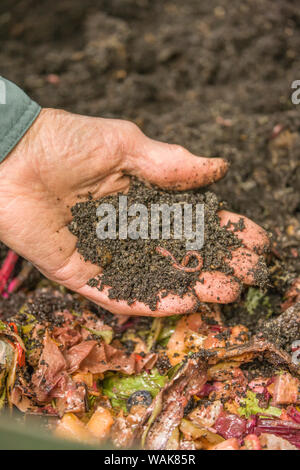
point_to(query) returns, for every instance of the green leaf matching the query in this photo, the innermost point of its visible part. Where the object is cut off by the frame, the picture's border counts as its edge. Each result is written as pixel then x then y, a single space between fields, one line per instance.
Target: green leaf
pixel 107 335
pixel 256 298
pixel 154 333
pixel 26 329
pixel 155 413
pixel 91 401
pixel 173 371
pixel 2 398
pixel 167 329
pixel 119 387
pixel 249 406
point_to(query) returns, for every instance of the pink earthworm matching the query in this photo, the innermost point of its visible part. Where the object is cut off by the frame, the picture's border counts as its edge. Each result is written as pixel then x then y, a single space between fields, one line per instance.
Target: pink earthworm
pixel 185 261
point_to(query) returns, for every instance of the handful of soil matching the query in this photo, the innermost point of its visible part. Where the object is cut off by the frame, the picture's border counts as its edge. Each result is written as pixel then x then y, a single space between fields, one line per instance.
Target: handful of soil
pixel 138 269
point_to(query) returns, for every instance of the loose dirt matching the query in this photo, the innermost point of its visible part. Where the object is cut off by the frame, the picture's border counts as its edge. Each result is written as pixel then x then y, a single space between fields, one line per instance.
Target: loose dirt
pixel 213 76
pixel 136 269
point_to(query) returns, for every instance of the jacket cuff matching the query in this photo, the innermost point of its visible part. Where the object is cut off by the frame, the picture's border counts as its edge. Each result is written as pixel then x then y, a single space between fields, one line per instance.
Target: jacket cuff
pixel 17 113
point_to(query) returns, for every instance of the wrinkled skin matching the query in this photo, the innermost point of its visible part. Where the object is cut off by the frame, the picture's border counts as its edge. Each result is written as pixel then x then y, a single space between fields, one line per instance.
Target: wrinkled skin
pixel 61 159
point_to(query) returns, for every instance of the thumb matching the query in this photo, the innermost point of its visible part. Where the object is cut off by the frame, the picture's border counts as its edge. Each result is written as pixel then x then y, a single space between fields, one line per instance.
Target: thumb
pixel 174 167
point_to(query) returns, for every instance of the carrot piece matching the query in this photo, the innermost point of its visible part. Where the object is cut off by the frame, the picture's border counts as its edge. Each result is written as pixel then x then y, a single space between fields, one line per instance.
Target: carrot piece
pixel 100 423
pixel 251 442
pixel 86 377
pixel 177 343
pixel 70 427
pixel 286 390
pixel 229 444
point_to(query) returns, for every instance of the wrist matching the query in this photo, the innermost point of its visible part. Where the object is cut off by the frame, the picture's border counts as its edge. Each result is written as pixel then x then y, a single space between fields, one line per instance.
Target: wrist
pixel 25 155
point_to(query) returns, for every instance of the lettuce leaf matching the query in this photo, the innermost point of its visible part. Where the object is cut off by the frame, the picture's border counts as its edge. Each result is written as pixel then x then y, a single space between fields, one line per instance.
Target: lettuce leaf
pixel 118 387
pixel 169 325
pixel 249 406
pixel 255 298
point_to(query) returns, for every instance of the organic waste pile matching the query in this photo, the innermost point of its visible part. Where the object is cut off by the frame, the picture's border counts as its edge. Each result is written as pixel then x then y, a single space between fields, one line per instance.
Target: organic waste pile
pixel 181 382
pixel 140 269
pixel 190 74
pixel 215 77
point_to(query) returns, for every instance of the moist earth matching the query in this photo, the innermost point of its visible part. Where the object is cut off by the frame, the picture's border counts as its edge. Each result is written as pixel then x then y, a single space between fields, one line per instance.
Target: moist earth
pixel 134 269
pixel 213 76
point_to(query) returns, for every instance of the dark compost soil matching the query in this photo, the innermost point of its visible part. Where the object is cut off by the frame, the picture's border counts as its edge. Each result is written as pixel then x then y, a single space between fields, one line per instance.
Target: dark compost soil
pixel 134 269
pixel 213 76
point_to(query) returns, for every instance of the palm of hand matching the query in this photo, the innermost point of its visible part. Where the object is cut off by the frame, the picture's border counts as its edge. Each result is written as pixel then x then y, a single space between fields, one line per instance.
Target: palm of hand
pixel 63 158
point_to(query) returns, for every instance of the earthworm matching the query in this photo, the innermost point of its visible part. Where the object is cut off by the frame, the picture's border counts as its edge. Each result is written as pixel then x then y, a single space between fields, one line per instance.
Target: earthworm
pixel 185 261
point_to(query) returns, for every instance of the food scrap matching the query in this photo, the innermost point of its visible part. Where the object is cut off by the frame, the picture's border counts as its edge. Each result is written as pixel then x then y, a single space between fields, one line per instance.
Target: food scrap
pixel 180 382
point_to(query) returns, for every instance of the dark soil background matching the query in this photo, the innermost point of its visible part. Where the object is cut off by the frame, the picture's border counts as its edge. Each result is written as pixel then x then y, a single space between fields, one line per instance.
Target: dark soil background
pixel 213 76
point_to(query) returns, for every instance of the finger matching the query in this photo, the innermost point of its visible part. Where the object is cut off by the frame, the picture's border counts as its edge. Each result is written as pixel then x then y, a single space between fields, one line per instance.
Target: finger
pixel 217 287
pixel 63 263
pixel 169 305
pixel 174 305
pixel 252 235
pixel 74 273
pixel 174 167
pixel 245 265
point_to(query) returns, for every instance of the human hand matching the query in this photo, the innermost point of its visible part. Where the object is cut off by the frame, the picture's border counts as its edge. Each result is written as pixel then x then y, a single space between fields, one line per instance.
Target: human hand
pixel 65 157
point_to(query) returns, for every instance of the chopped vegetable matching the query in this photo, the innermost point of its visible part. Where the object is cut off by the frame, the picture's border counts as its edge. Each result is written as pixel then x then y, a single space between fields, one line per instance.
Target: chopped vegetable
pixel 250 406
pixel 273 442
pixel 169 325
pixel 107 334
pixel 286 389
pixel 173 371
pixel 20 278
pixel 85 377
pixel 2 398
pixel 229 444
pixel 21 355
pixel 7 268
pixel 251 442
pixel 285 429
pixel 230 425
pixel 100 423
pixel 11 378
pixel 294 414
pixel 72 428
pixel 206 415
pixel 111 391
pixel 173 442
pixel 120 387
pixel 193 432
pixel 154 333
pixel 180 343
pixel 156 410
pixel 256 298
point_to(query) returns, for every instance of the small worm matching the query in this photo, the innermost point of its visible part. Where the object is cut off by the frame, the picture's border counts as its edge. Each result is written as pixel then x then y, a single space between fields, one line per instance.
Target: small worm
pixel 185 261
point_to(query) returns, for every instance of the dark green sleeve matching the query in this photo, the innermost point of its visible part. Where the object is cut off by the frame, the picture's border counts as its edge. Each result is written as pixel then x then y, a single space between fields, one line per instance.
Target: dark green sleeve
pixel 17 113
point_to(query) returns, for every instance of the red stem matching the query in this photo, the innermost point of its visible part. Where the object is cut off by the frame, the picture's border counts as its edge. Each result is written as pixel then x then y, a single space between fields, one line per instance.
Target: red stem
pixel 20 278
pixel 7 268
